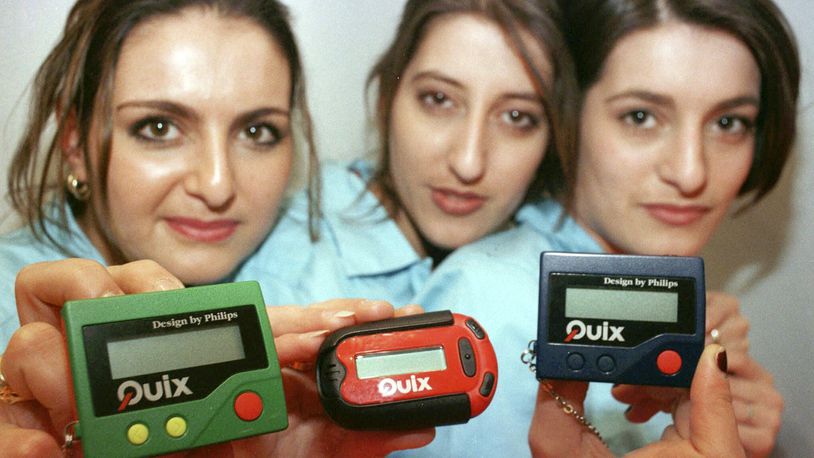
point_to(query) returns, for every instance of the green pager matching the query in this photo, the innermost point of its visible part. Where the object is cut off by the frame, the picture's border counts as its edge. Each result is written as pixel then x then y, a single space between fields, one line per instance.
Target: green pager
pixel 166 371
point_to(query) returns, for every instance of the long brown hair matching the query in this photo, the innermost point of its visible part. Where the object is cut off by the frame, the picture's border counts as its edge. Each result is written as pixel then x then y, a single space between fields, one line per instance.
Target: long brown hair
pixel 595 26
pixel 541 20
pixel 76 81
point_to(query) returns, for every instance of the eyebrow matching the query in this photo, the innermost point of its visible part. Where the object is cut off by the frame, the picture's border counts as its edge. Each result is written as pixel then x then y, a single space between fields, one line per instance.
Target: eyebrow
pixel 659 99
pixel 187 113
pixel 435 75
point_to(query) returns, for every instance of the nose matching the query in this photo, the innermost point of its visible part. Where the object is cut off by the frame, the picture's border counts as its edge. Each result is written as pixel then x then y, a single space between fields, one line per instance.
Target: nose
pixel 467 157
pixel 684 165
pixel 211 177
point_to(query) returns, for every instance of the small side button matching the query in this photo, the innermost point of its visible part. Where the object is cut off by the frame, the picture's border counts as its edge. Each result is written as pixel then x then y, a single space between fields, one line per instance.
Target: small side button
pixel 467 357
pixel 475 328
pixel 487 384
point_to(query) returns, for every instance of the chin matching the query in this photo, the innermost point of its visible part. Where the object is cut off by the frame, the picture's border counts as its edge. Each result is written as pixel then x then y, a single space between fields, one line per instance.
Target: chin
pixel 192 274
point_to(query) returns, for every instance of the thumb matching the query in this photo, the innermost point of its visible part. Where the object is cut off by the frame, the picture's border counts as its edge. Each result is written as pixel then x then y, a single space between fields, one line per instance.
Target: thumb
pixel 713 428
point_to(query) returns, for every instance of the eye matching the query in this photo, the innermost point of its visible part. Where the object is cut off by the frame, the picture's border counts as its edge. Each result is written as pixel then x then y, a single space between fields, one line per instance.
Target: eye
pixel 263 135
pixel 155 130
pixel 639 118
pixel 520 119
pixel 735 125
pixel 435 99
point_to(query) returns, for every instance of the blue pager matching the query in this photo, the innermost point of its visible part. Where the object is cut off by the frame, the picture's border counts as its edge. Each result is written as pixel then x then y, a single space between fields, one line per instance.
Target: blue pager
pixel 620 318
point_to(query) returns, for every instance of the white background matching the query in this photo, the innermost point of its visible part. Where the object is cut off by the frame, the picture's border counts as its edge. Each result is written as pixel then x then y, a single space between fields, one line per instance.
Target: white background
pixel 765 256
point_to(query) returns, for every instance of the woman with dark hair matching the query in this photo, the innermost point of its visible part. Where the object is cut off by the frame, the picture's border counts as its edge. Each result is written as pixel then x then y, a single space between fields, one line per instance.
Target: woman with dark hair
pixel 686 106
pixel 471 112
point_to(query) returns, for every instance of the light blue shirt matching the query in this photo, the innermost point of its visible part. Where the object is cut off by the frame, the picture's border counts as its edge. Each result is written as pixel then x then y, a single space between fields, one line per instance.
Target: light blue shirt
pixel 360 252
pixel 496 281
pixel 20 248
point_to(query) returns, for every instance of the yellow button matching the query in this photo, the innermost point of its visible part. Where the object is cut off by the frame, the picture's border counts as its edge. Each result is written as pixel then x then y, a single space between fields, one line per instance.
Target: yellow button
pixel 138 433
pixel 176 426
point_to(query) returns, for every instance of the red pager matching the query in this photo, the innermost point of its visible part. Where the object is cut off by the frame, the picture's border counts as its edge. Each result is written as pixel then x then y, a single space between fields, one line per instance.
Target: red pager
pixel 411 372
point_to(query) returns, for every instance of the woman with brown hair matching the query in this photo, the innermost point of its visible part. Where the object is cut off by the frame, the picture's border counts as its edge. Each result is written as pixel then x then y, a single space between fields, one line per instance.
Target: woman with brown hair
pixel 172 125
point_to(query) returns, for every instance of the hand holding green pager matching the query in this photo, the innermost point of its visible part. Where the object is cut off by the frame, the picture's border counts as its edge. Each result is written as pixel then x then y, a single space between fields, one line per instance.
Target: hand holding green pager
pixel 35 365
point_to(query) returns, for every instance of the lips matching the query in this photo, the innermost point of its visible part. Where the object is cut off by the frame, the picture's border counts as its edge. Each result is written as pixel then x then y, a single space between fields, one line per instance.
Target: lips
pixel 677 215
pixel 457 203
pixel 203 231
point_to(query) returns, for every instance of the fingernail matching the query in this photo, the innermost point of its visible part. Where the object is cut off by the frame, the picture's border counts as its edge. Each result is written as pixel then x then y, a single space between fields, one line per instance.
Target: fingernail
pixel 720 358
pixel 111 293
pixel 315 334
pixel 627 411
pixel 167 284
pixel 344 314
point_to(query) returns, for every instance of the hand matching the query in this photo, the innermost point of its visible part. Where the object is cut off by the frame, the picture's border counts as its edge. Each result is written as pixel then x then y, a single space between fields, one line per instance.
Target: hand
pixel 555 433
pixel 35 363
pixel 712 428
pixel 757 403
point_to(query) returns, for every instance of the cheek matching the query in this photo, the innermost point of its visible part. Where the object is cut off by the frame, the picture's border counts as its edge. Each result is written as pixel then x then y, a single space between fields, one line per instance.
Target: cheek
pixel 264 186
pixel 152 180
pixel 729 175
pixel 513 177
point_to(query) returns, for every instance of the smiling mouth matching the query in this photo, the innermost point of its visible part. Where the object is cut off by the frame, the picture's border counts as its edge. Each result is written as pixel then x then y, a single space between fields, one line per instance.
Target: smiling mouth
pixel 203 231
pixel 677 215
pixel 457 203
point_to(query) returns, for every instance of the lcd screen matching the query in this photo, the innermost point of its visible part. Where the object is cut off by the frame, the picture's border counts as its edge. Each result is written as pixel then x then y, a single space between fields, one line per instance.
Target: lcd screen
pixel 615 304
pixel 135 356
pixel 400 362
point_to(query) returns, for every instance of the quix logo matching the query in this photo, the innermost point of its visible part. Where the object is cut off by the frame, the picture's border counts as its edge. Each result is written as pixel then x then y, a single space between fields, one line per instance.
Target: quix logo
pixel 388 387
pixel 577 329
pixel 131 392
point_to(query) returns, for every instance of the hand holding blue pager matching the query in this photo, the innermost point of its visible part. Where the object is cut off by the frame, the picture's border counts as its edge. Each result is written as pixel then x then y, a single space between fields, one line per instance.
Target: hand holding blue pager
pixel 753 391
pixel 711 426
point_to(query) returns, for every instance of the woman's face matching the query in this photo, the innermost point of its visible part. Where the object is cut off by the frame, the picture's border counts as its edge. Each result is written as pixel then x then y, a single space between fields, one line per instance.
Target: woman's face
pixel 666 139
pixel 467 133
pixel 201 148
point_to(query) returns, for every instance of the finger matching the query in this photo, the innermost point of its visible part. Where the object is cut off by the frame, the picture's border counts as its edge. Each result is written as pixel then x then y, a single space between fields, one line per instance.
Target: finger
pixel 329 315
pixel 553 432
pixel 713 429
pixel 681 416
pixel 748 370
pixel 35 365
pixel 646 401
pixel 410 309
pixel 24 443
pixel 756 441
pixel 644 410
pixel 143 276
pixel 304 347
pixel 720 307
pixel 292 319
pixel 733 333
pixel 42 288
pixel 670 434
pixel 381 443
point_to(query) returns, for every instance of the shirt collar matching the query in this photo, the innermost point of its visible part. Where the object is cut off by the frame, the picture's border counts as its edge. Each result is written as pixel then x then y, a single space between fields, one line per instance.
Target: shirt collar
pixel 548 216
pixel 367 240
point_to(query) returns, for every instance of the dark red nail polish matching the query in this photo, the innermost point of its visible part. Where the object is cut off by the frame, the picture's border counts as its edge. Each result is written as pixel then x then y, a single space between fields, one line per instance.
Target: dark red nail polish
pixel 721 360
pixel 629 408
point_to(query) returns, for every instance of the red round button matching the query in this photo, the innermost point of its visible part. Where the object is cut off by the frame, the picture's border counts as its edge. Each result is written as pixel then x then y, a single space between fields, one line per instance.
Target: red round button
pixel 248 405
pixel 669 362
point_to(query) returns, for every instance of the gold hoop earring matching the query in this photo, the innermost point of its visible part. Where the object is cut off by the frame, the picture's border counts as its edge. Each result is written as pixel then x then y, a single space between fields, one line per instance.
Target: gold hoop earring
pixel 78 189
